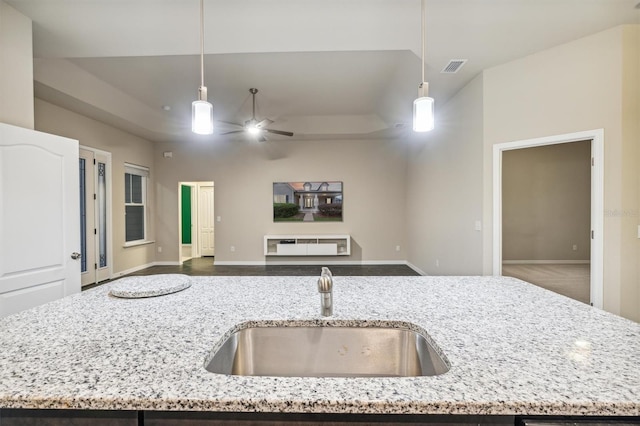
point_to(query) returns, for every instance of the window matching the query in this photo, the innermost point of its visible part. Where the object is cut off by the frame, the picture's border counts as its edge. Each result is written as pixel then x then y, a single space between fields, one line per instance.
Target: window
pixel 135 202
pixel 102 214
pixel 83 215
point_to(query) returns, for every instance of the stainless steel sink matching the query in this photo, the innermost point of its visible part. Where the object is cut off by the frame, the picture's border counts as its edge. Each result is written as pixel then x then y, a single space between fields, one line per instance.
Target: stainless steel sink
pixel 322 351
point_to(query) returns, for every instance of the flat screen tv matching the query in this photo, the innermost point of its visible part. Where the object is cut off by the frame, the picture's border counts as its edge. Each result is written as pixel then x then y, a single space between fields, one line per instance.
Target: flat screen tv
pixel 307 201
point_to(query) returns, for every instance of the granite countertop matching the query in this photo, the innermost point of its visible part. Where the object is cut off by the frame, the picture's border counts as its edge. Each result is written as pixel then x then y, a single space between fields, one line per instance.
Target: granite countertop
pixel 513 348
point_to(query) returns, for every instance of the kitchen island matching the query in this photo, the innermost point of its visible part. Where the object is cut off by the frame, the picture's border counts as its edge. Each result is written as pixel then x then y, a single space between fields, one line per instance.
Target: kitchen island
pixel 514 350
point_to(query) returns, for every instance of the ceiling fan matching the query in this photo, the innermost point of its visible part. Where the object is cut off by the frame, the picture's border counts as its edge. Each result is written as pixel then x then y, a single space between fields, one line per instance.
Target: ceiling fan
pixel 254 127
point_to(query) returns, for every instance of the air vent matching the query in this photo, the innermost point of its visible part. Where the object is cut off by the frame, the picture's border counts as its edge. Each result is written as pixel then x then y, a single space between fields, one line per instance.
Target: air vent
pixel 453 66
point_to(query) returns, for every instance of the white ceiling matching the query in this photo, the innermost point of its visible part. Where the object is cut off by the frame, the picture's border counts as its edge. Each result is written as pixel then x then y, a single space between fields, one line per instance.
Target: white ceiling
pixel 325 69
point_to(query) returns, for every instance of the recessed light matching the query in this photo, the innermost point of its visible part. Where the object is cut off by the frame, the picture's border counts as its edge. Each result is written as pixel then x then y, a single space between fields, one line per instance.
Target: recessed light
pixel 166 107
pixel 638 6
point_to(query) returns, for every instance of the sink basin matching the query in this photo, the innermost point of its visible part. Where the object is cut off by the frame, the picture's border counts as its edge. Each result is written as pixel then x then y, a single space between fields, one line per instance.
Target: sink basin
pixel 327 351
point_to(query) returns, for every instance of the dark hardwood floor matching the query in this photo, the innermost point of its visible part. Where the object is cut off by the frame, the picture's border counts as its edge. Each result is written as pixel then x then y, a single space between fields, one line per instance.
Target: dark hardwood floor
pixel 204 266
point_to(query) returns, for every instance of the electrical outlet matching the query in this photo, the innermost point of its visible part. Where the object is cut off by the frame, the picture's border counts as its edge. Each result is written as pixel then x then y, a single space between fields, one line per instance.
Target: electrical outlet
pixel 233 248
pixel 397 248
pixel 218 219
pixel 437 263
pixel 575 247
pixel 159 249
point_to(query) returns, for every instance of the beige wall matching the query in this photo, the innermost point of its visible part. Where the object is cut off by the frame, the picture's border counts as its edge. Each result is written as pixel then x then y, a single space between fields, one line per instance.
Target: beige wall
pixel 124 147
pixel 372 171
pixel 546 202
pixel 569 88
pixel 630 213
pixel 444 189
pixel 16 68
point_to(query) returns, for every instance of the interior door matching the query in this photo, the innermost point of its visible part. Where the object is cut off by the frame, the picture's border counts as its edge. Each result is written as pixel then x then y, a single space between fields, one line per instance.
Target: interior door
pixel 206 221
pixel 94 264
pixel 39 218
pixel 87 218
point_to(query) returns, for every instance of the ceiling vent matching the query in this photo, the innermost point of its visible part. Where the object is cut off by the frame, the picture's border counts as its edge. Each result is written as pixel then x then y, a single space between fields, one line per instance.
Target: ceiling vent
pixel 453 66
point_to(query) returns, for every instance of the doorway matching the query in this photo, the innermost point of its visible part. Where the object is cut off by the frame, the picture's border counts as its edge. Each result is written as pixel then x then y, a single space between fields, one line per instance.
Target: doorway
pixel 95 215
pixel 196 220
pixel 541 235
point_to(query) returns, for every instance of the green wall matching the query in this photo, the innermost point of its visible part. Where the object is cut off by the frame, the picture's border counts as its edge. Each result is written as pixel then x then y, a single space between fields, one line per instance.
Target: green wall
pixel 186 213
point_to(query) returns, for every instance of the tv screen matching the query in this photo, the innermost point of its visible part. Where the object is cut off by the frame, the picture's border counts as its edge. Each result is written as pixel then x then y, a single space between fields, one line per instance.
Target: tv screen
pixel 307 201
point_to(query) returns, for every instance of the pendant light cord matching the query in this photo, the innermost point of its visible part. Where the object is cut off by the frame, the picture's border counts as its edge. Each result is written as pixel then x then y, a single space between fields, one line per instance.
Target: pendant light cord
pixel 423 24
pixel 202 43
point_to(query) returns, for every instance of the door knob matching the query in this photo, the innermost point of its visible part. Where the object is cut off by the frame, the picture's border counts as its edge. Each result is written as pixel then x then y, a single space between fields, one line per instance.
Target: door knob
pixel 75 255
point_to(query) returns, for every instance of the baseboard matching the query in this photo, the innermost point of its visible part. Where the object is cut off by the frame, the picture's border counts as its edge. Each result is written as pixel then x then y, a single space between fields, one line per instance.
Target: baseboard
pixel 238 262
pixel 546 262
pixel 415 268
pixel 308 262
pixel 167 263
pixel 132 270
pixel 138 268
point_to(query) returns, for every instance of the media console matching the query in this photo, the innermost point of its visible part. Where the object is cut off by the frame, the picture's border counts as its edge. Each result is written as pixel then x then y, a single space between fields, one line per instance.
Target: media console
pixel 307 245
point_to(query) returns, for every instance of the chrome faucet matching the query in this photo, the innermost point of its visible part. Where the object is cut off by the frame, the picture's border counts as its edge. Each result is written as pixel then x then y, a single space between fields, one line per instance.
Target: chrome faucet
pixel 325 287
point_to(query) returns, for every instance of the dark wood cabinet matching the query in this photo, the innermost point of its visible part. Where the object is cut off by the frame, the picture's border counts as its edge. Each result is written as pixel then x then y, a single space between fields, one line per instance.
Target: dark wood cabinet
pixel 15 417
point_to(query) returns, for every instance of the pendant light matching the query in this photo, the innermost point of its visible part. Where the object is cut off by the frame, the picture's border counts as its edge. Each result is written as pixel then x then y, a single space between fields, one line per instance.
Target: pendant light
pixel 423 106
pixel 201 110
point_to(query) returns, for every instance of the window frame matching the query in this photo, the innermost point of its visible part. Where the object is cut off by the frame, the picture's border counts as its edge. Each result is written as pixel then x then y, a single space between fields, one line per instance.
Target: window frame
pixel 143 172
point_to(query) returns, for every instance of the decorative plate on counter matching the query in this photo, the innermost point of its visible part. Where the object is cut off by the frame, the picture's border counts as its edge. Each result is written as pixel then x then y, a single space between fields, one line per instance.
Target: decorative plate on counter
pixel 149 285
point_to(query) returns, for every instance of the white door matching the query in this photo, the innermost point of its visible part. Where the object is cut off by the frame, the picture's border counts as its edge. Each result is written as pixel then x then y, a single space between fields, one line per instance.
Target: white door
pixel 94 264
pixel 39 218
pixel 88 264
pixel 206 221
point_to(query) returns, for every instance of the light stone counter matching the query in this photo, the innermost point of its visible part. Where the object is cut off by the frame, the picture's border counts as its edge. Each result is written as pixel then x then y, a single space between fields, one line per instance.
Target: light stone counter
pixel 513 349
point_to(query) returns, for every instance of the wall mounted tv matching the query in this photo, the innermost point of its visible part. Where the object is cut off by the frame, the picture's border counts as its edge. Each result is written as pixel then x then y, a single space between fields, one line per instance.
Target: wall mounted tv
pixel 307 201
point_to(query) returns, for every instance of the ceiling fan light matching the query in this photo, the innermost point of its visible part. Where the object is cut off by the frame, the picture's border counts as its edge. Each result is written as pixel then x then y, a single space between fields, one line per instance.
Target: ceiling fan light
pixel 253 129
pixel 423 114
pixel 202 117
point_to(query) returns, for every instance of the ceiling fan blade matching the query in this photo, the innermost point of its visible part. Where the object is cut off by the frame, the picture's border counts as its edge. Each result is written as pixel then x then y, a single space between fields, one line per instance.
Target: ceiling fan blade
pixel 232 131
pixel 278 132
pixel 264 123
pixel 230 122
pixel 261 138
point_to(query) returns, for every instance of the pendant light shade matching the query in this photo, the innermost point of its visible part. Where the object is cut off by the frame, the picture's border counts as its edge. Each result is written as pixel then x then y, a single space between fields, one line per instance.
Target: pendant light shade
pixel 423 114
pixel 423 106
pixel 201 110
pixel 202 117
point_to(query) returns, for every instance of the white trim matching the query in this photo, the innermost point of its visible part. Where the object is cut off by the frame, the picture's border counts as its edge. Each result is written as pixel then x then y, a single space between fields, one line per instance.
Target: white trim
pixel 132 270
pixel 546 262
pixel 96 150
pixel 597 201
pixel 137 243
pixel 415 268
pixel 309 262
pixel 166 263
pixel 134 169
pixel 143 172
pixel 109 172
